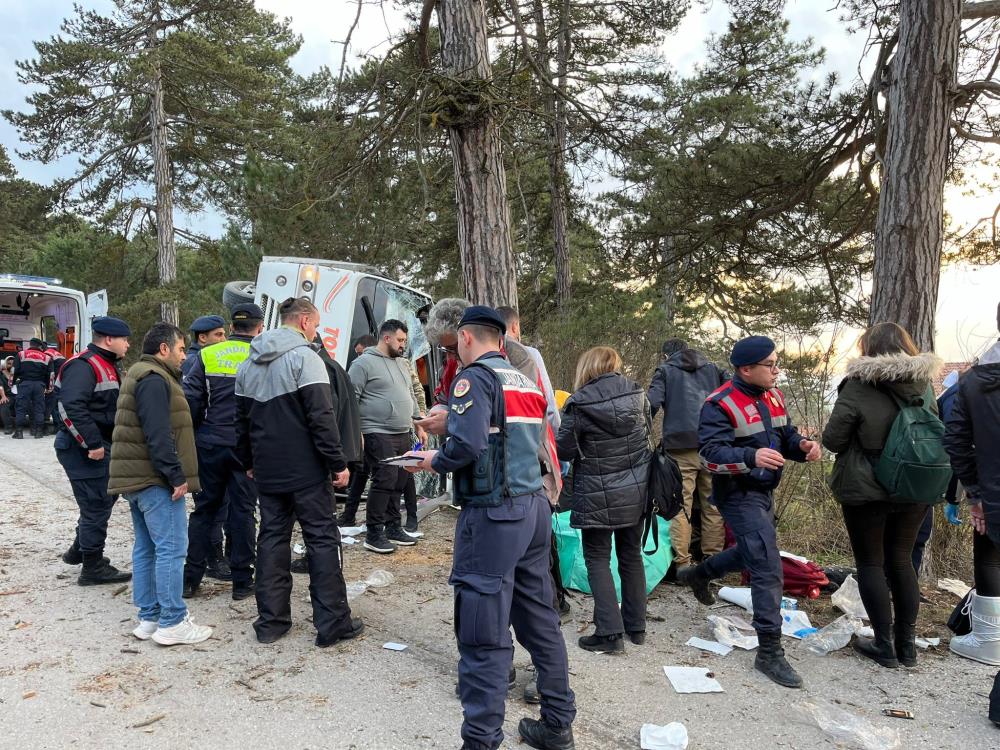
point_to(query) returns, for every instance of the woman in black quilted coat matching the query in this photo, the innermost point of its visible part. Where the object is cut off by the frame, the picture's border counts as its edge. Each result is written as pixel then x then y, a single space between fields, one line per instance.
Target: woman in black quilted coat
pixel 605 433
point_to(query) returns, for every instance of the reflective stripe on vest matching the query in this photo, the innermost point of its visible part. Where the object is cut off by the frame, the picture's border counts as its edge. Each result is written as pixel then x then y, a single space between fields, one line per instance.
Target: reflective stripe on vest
pixel 107 380
pixel 224 358
pixel 33 355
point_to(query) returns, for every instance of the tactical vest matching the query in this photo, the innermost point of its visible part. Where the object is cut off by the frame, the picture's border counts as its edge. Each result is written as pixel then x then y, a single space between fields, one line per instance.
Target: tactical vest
pixel 509 466
pixel 103 403
pixel 224 358
pixel 33 355
pixel 749 427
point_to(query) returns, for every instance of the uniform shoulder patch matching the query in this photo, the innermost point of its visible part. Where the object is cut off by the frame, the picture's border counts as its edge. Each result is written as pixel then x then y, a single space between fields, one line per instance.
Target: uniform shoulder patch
pixel 462 387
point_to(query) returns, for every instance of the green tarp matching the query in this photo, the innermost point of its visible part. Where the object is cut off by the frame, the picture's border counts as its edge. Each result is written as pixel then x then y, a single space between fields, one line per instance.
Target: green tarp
pixel 574 569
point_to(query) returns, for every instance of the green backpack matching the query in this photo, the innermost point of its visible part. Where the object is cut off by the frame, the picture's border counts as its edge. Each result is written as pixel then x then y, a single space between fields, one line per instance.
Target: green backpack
pixel 914 466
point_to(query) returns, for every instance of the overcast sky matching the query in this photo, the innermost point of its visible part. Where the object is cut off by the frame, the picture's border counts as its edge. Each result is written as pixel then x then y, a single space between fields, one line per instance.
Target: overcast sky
pixel 965 317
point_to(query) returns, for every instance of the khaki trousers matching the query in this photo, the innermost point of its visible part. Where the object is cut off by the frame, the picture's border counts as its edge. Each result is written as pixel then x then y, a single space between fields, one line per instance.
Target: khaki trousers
pixel 713 534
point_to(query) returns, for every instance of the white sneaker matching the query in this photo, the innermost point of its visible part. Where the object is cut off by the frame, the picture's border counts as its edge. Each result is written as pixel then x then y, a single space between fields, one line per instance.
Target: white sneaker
pixel 183 633
pixel 145 630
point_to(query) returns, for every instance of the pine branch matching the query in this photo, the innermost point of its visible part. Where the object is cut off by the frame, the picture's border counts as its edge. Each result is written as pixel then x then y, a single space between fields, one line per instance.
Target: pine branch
pixel 984 9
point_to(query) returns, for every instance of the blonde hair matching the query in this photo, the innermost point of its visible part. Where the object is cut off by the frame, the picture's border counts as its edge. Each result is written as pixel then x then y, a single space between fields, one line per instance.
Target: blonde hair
pixel 594 362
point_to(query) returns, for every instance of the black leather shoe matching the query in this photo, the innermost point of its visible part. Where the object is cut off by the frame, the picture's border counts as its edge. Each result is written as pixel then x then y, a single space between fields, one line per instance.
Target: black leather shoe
pixel 638 637
pixel 605 644
pixel 97 571
pixel 357 628
pixel 271 637
pixel 541 736
pixel 18 435
pixel 531 694
pixel 879 649
pixel 190 590
pixel 695 578
pixel 905 643
pixel 772 663
pixel 243 591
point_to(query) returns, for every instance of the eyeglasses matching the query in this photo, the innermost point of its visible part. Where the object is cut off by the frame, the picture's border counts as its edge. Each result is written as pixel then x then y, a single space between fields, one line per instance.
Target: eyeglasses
pixel 772 366
pixel 453 349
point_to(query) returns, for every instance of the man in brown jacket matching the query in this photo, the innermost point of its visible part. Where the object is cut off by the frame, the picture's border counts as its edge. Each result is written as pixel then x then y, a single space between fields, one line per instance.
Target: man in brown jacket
pixel 154 464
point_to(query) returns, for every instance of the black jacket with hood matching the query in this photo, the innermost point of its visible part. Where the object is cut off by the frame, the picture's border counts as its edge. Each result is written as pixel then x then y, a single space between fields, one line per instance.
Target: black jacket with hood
pixel 864 414
pixel 972 438
pixel 680 386
pixel 605 433
pixel 286 429
pixel 345 405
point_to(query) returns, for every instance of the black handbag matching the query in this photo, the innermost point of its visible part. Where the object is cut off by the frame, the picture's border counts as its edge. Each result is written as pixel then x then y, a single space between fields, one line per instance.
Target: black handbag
pixel 960 623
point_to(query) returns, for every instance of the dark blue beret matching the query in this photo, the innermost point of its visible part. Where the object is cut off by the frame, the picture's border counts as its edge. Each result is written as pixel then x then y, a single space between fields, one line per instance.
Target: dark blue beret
pixel 207 323
pixel 37 343
pixel 751 350
pixel 246 311
pixel 481 315
pixel 110 327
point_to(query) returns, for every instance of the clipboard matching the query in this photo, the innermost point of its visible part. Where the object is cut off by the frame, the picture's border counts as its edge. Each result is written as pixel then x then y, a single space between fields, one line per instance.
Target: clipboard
pixel 402 461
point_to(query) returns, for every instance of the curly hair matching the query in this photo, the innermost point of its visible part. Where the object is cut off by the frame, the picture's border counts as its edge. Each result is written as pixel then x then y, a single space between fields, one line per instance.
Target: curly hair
pixel 444 318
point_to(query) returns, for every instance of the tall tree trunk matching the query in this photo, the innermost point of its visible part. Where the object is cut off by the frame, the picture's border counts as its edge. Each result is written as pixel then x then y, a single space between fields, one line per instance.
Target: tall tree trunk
pixel 555 114
pixel 910 227
pixel 484 239
pixel 166 251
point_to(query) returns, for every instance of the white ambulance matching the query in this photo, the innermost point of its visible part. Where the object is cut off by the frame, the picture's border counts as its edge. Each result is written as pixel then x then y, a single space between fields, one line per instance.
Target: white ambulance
pixel 353 301
pixel 40 307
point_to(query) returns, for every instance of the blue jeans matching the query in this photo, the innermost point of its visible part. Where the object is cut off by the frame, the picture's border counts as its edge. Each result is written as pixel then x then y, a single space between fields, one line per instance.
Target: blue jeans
pixel 161 538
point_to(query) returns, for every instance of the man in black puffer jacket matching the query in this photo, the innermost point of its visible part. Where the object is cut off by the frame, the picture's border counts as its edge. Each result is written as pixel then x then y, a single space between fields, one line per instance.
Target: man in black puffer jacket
pixel 680 386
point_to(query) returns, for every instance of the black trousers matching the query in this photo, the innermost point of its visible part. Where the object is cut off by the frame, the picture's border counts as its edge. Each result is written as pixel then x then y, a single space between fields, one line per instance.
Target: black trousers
pixel 222 477
pixel 313 507
pixel 388 482
pixel 410 497
pixel 30 403
pixel 608 618
pixel 882 537
pixel 355 489
pixel 986 560
pixel 89 481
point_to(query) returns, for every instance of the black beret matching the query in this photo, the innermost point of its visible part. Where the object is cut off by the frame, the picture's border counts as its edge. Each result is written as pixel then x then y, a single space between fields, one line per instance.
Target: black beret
pixel 37 343
pixel 207 323
pixel 246 311
pixel 110 327
pixel 481 315
pixel 751 350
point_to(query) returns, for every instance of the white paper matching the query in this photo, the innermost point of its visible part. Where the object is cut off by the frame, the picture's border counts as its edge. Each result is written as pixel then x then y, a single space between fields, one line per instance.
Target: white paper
pixel 402 461
pixel 928 642
pixel 393 646
pixel 740 596
pixel 352 530
pixel 692 680
pixel 790 556
pixel 714 646
pixel 348 540
pixel 673 736
pixel 954 586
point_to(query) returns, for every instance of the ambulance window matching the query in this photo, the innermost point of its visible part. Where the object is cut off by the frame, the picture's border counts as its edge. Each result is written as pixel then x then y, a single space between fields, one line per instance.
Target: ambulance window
pixel 50 329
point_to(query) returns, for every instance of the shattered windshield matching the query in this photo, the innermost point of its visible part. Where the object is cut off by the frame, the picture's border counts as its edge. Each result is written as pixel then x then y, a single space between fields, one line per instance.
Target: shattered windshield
pixel 403 305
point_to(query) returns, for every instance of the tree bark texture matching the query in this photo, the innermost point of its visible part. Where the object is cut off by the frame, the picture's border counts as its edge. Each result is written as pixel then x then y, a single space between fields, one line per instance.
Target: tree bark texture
pixel 484 235
pixel 166 251
pixel 910 227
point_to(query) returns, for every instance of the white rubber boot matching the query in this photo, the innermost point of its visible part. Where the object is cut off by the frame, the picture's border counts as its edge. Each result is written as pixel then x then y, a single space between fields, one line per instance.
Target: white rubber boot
pixel 983 643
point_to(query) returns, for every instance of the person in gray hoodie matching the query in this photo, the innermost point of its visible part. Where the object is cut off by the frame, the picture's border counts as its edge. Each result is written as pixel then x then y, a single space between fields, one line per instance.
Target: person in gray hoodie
pixel 384 387
pixel 287 440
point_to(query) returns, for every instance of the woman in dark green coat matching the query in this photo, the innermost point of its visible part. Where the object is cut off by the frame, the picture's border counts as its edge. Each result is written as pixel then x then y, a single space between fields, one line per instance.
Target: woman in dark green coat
pixel 882 532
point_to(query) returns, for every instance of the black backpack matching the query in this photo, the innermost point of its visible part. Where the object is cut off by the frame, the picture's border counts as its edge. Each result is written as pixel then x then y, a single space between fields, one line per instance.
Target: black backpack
pixel 664 493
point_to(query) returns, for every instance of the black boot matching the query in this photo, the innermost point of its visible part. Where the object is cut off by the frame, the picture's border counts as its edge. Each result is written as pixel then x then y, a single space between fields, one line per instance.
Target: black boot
pixel 73 556
pixel 771 661
pixel 606 644
pixel 539 735
pixel 97 571
pixel 696 577
pixel 18 434
pixel 38 433
pixel 217 566
pixel 879 649
pixel 905 643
